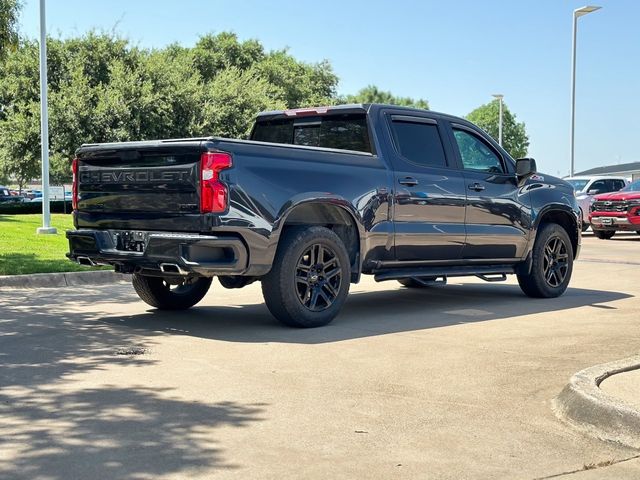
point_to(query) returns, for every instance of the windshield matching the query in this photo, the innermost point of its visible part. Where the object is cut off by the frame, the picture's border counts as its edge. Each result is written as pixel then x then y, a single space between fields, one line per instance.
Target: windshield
pixel 632 187
pixel 578 185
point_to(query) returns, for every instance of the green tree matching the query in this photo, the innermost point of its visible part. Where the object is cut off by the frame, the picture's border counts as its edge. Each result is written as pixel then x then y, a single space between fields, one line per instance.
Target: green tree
pixel 103 89
pixel 231 101
pixel 372 94
pixel 514 135
pixel 9 10
pixel 298 84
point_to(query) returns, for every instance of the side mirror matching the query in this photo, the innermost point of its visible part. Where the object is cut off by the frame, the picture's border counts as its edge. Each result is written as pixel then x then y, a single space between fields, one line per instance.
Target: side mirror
pixel 595 191
pixel 525 167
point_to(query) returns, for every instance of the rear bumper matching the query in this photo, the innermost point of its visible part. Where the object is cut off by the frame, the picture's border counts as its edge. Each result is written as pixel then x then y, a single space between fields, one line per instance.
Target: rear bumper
pixel 164 253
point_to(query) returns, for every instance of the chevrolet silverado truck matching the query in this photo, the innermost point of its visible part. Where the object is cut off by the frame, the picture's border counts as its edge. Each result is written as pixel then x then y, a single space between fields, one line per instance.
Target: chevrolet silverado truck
pixel 316 198
pixel 587 187
pixel 615 211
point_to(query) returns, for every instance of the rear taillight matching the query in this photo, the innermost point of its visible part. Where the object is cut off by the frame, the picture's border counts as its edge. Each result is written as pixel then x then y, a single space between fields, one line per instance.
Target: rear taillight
pixel 74 197
pixel 214 194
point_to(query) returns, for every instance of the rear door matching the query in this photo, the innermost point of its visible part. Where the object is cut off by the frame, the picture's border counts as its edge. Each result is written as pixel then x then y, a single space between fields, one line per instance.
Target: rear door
pixel 497 212
pixel 429 191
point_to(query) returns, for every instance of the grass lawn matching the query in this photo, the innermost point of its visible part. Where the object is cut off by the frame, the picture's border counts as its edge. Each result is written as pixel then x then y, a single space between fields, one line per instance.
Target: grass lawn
pixel 23 251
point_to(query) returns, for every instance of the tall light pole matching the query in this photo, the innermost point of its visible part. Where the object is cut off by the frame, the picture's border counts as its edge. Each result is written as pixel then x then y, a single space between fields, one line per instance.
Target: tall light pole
pixel 499 96
pixel 577 13
pixel 44 126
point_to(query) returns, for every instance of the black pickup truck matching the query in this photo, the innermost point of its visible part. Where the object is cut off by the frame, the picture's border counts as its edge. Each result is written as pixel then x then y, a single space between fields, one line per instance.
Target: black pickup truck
pixel 316 198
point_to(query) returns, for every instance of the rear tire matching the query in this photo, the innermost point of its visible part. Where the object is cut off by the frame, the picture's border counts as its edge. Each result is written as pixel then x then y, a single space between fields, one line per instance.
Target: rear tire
pixel 159 294
pixel 416 282
pixel 604 234
pixel 552 264
pixel 309 280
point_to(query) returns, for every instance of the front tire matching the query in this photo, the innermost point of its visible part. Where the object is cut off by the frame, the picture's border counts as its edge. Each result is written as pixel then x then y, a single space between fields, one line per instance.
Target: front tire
pixel 604 234
pixel 552 264
pixel 161 294
pixel 309 280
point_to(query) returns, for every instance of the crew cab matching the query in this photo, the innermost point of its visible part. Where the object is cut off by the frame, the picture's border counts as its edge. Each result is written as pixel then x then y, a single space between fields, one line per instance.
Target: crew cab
pixel 316 198
pixel 616 211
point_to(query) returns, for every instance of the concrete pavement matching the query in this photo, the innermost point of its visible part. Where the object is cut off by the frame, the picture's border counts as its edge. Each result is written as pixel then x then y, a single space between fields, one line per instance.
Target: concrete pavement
pixel 452 382
pixel 625 387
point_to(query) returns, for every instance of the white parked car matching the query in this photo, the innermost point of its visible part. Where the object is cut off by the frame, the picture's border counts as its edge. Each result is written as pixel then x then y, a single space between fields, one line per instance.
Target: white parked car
pixel 588 186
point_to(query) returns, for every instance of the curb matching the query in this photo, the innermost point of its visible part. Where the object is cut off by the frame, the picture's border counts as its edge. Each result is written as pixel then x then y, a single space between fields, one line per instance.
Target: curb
pixel 67 279
pixel 586 407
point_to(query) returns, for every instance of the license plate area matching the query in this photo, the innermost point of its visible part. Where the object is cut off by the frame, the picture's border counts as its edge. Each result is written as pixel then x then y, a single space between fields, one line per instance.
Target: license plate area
pixel 131 241
pixel 607 221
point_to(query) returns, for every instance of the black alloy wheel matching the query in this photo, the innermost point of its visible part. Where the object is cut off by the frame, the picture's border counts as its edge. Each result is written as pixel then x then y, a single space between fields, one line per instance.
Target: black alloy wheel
pixel 556 261
pixel 318 277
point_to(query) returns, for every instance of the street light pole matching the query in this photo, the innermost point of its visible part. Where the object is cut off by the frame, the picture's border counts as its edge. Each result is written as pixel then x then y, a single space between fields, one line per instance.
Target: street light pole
pixel 44 126
pixel 577 13
pixel 499 96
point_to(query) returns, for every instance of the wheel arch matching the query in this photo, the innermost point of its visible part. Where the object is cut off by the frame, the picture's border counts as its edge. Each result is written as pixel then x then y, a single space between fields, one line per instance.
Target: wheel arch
pixel 331 212
pixel 565 217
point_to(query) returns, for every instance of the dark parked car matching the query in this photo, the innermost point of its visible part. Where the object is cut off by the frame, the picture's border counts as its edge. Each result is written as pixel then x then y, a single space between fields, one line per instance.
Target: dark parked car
pixel 6 197
pixel 316 198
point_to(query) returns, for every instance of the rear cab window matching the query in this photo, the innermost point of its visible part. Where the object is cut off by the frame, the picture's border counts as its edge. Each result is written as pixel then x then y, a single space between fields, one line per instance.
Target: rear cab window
pixel 337 131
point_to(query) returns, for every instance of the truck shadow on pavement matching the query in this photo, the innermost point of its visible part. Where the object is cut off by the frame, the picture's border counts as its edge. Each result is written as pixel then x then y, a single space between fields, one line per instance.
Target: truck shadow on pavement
pixel 56 426
pixel 60 420
pixel 368 313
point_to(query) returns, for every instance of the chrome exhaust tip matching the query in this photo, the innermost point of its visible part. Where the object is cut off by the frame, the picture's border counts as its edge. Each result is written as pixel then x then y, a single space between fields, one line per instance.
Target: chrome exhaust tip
pixel 172 268
pixel 86 261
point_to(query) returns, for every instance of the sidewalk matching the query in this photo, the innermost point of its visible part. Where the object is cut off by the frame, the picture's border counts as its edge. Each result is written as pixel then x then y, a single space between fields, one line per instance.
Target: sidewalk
pixel 625 387
pixel 67 279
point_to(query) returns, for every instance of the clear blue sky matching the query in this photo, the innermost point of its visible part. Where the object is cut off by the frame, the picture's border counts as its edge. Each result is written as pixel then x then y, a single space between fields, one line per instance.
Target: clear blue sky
pixel 454 54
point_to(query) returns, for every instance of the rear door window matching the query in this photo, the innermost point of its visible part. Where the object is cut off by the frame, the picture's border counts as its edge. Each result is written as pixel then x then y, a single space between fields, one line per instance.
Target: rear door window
pixel 419 142
pixel 618 185
pixel 342 132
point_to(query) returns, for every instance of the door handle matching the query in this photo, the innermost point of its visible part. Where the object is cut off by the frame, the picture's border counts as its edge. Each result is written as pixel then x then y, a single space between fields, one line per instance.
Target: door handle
pixel 476 186
pixel 408 181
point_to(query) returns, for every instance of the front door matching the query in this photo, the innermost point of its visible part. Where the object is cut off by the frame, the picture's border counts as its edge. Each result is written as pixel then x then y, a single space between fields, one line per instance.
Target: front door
pixel 498 213
pixel 429 191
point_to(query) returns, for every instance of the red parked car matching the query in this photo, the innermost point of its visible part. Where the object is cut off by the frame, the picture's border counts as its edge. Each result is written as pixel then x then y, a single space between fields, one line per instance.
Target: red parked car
pixel 615 211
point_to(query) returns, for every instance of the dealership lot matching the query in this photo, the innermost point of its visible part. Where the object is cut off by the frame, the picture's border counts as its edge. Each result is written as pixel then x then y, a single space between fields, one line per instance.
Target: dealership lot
pixel 450 382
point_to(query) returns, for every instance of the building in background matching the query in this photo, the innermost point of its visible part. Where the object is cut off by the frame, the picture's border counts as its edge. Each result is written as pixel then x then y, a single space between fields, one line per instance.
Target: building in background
pixel 628 170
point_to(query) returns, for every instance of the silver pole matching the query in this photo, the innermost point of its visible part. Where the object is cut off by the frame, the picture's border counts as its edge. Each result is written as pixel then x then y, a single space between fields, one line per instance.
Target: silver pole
pixel 44 126
pixel 573 95
pixel 500 124
pixel 578 12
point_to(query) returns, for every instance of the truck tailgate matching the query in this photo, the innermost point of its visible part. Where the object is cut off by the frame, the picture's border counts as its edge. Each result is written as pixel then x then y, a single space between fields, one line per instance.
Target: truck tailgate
pixel 141 186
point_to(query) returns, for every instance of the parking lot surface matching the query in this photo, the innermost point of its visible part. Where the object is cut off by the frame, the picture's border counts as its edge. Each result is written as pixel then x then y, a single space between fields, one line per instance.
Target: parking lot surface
pixel 449 382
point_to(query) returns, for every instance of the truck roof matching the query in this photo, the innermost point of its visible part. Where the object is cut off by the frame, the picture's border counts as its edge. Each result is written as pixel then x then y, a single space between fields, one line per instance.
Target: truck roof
pixel 349 108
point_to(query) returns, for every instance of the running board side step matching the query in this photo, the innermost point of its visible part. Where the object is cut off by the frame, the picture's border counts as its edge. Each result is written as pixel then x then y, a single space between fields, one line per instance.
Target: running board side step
pixel 487 273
